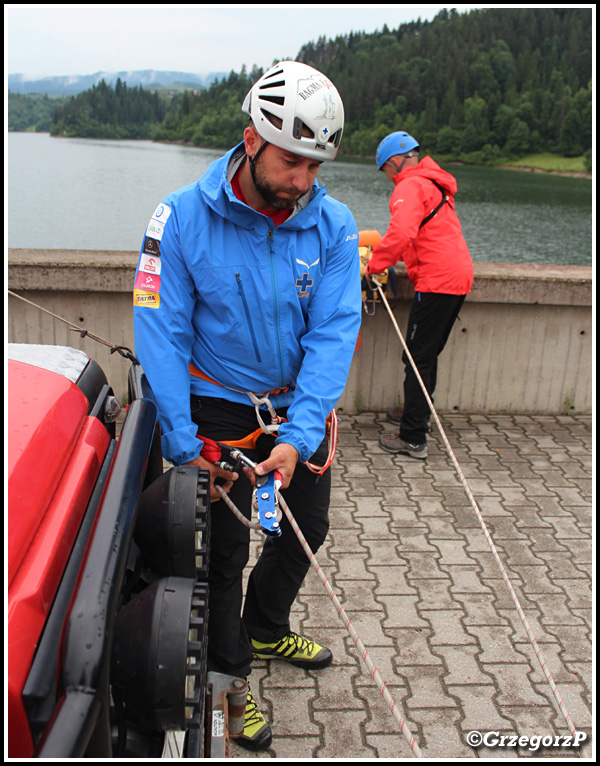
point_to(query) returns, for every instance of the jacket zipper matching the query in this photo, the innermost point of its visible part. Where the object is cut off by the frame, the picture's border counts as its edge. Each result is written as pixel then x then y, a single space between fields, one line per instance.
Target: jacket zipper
pixel 276 296
pixel 248 318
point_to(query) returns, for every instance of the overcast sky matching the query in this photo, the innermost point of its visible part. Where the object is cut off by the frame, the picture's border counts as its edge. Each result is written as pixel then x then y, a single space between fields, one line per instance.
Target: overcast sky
pixel 47 40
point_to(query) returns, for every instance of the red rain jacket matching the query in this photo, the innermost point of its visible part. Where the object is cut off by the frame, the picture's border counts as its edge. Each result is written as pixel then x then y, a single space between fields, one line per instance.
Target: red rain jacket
pixel 436 255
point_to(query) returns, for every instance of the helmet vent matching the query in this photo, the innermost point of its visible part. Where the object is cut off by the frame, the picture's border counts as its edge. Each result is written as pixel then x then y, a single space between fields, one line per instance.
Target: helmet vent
pixel 278 84
pixel 279 100
pixel 336 138
pixel 275 73
pixel 301 130
pixel 275 121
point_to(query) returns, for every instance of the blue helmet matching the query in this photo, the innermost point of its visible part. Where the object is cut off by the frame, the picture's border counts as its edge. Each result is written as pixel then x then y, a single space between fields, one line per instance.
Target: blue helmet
pixel 396 143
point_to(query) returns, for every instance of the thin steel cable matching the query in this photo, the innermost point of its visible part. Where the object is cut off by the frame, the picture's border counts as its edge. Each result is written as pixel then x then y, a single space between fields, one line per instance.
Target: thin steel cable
pixel 122 350
pixel 538 652
pixel 362 652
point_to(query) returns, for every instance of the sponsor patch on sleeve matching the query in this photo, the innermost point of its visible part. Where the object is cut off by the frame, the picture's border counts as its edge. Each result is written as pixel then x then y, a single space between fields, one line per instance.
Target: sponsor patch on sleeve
pixel 156 227
pixel 148 299
pixel 149 264
pixel 151 246
pixel 149 282
pixel 162 213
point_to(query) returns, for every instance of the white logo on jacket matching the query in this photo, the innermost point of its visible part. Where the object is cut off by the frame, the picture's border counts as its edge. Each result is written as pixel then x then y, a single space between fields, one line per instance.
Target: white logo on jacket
pixel 302 263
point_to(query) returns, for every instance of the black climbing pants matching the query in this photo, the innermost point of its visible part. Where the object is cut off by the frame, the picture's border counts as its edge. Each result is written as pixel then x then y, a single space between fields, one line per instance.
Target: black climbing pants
pixel 430 322
pixel 275 579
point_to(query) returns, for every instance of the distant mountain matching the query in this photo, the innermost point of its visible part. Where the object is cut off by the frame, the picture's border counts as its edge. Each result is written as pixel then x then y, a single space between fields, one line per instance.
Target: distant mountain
pixel 71 85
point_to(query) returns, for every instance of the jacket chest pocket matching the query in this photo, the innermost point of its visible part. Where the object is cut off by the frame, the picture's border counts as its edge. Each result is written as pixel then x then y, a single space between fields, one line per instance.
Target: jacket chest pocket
pixel 228 313
pixel 248 316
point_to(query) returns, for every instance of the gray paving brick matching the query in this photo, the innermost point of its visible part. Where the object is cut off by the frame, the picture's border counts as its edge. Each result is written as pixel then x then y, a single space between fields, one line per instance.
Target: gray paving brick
pixel 343 735
pixel 402 612
pixel 409 562
pixel 448 627
pixel 414 648
pixel 391 580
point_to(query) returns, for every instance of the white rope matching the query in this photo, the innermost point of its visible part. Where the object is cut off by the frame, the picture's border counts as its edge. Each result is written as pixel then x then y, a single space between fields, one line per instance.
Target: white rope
pixel 538 652
pixel 363 654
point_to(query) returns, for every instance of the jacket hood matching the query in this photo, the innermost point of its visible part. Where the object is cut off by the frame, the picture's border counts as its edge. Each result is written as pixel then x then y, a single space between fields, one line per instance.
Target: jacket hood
pixel 215 188
pixel 428 168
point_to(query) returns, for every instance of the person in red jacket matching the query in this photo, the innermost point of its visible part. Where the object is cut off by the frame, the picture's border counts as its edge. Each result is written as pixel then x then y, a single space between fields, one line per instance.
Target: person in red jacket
pixel 425 233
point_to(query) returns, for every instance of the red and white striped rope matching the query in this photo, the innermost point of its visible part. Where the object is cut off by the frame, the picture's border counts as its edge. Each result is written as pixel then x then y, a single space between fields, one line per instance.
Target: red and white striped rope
pixel 362 652
pixel 538 652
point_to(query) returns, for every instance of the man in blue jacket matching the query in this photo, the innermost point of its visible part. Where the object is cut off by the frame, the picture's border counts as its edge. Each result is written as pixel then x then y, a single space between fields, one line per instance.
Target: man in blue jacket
pixel 246 313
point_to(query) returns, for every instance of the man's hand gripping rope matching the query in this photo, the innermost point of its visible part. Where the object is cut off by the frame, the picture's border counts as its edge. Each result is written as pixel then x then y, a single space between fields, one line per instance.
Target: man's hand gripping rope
pixel 268 479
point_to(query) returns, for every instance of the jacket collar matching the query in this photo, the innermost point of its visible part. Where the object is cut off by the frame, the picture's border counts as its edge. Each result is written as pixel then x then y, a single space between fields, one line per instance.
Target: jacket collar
pixel 215 186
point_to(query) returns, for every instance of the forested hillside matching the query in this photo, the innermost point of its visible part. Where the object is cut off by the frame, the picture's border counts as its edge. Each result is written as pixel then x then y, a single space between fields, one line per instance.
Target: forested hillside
pixel 496 80
pixel 31 113
pixel 106 112
pixel 481 86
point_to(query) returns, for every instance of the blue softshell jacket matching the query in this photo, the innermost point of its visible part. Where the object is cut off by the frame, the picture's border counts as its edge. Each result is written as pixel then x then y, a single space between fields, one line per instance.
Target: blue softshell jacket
pixel 253 306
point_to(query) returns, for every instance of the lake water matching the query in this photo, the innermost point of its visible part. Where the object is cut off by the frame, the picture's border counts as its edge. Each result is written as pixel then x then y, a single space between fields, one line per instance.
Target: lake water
pixel 86 194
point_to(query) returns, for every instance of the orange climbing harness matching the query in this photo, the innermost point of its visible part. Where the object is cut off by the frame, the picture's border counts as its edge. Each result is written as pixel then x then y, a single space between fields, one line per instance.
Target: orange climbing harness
pixel 211 450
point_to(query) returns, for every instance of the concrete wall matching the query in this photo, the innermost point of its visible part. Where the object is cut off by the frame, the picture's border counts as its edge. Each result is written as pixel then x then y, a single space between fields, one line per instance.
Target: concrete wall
pixel 523 342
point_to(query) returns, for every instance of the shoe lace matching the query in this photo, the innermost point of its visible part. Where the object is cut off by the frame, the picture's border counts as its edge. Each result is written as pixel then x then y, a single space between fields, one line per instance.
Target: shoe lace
pixel 300 644
pixel 252 714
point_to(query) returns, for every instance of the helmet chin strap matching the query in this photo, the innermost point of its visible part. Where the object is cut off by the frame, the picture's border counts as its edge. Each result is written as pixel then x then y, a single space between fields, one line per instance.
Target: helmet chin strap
pixel 404 158
pixel 252 160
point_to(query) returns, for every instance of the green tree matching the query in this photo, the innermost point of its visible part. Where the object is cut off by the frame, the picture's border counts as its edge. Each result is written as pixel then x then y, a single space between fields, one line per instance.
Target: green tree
pixel 448 141
pixel 470 140
pixel 503 121
pixel 569 142
pixel 476 117
pixel 519 138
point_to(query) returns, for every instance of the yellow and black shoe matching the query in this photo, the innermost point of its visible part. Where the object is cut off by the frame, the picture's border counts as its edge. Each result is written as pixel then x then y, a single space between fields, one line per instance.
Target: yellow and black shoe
pixel 294 649
pixel 257 732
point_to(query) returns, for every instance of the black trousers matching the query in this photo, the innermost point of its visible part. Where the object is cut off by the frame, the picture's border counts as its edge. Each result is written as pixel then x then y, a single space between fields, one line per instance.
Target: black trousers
pixel 430 322
pixel 277 576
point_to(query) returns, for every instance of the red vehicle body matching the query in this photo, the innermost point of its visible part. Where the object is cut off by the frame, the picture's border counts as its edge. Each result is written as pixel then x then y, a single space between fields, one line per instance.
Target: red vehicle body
pixel 107 561
pixel 49 427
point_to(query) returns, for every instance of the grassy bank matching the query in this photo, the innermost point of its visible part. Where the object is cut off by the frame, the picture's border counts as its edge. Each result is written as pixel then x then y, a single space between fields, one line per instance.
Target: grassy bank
pixel 549 163
pixel 542 162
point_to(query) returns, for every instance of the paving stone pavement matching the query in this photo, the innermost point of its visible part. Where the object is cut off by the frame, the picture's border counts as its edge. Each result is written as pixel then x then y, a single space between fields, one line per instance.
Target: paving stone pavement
pixel 408 560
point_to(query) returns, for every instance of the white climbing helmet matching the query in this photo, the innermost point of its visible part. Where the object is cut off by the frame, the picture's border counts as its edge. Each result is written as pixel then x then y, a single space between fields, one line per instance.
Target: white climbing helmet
pixel 297 108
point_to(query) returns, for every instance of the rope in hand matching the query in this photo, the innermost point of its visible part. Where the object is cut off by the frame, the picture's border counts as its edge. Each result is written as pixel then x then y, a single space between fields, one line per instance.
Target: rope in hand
pixel 538 652
pixel 412 742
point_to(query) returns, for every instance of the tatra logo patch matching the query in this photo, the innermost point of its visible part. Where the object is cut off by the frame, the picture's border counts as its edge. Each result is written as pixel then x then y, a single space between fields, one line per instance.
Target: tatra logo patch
pixel 143 298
